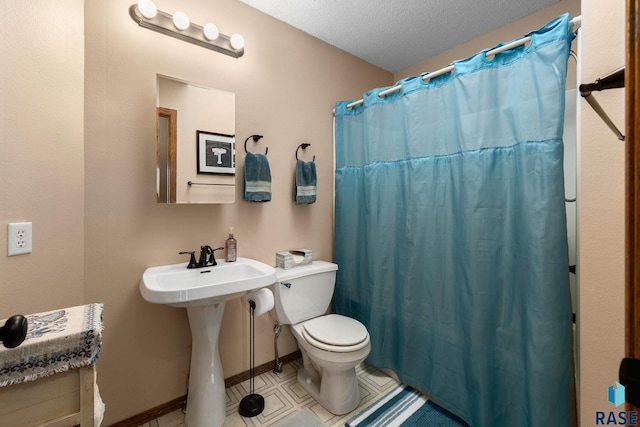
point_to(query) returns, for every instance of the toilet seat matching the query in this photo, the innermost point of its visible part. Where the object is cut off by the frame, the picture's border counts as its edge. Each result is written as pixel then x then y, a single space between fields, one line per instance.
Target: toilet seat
pixel 336 333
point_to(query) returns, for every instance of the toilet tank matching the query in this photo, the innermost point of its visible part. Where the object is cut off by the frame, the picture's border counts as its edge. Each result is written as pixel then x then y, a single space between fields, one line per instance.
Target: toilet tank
pixel 309 294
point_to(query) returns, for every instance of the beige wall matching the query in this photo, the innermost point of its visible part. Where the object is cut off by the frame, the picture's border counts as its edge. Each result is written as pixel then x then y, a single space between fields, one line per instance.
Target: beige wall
pixel 601 190
pixel 286 85
pixel 41 153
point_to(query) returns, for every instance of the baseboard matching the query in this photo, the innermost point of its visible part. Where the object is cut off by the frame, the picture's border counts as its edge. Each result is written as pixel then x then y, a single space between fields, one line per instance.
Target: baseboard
pixel 153 413
pixel 180 402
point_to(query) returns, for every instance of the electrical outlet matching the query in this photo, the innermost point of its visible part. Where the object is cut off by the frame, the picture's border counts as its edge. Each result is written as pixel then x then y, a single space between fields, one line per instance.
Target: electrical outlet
pixel 19 236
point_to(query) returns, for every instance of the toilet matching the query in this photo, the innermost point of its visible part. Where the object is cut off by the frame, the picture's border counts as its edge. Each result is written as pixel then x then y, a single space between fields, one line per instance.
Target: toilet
pixel 332 345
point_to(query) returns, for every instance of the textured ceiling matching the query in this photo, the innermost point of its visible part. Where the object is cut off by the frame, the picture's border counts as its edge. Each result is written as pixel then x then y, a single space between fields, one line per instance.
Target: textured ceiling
pixel 396 34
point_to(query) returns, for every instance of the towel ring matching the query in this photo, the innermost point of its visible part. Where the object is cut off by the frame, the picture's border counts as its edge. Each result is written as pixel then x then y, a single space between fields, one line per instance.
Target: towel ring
pixel 304 146
pixel 256 138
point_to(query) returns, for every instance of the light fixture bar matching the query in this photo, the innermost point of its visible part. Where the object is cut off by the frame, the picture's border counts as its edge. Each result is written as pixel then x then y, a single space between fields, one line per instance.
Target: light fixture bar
pixel 163 23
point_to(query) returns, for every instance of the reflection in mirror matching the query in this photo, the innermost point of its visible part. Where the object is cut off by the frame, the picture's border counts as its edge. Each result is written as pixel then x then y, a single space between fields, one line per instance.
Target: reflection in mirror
pixel 191 119
pixel 167 120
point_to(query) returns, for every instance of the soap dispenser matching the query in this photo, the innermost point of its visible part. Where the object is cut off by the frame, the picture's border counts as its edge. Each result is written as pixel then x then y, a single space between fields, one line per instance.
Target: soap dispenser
pixel 230 247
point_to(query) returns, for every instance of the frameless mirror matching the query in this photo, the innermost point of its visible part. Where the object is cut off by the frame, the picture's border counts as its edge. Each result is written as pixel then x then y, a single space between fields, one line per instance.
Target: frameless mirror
pixel 195 143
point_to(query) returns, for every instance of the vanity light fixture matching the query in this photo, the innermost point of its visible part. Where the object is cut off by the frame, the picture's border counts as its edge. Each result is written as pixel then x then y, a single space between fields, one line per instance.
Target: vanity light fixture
pixel 146 14
pixel 181 20
pixel 147 8
pixel 210 31
pixel 237 41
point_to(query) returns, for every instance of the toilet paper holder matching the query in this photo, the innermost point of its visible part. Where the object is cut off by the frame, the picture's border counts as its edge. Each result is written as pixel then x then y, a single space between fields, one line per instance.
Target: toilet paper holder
pixel 260 302
pixel 252 404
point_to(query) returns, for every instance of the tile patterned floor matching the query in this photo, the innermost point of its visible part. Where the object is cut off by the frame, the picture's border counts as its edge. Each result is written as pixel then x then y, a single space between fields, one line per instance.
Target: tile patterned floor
pixel 283 397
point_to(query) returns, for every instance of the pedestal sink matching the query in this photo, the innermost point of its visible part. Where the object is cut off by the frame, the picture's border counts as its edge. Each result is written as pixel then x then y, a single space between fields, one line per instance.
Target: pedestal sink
pixel 203 292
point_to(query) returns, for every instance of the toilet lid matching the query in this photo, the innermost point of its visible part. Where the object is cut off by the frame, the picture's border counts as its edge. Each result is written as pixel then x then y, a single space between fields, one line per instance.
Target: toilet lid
pixel 336 330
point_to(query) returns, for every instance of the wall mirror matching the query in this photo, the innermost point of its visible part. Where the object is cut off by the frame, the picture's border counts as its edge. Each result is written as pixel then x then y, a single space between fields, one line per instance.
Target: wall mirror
pixel 195 143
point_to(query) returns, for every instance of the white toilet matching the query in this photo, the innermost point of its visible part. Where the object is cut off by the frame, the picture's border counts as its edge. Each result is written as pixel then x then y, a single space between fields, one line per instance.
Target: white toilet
pixel 331 345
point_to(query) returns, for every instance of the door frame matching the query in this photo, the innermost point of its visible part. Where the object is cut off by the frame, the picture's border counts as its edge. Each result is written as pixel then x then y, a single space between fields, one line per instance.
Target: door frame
pixel 172 147
pixel 632 154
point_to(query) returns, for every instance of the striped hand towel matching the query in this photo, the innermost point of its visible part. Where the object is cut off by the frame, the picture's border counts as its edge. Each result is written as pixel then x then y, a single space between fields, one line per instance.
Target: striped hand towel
pixel 304 189
pixel 257 178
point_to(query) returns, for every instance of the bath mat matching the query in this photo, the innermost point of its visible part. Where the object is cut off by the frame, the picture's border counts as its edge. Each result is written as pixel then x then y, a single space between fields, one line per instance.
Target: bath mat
pixel 304 418
pixel 407 407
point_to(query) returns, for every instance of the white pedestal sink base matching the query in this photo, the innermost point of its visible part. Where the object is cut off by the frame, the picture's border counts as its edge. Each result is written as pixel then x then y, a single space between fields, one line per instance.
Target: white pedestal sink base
pixel 202 291
pixel 206 401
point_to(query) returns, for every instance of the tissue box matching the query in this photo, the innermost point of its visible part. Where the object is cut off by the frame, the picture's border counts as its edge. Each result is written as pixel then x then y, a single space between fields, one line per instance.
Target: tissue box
pixel 293 258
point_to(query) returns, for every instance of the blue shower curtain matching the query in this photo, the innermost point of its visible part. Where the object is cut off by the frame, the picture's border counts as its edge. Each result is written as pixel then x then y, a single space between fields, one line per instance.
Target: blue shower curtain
pixel 450 233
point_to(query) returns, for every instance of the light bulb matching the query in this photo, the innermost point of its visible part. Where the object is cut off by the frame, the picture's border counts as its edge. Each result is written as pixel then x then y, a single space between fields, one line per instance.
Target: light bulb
pixel 237 41
pixel 211 31
pixel 181 20
pixel 147 8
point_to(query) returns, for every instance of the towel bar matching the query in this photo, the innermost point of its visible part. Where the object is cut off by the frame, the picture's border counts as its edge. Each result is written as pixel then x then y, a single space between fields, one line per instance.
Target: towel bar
pixel 190 183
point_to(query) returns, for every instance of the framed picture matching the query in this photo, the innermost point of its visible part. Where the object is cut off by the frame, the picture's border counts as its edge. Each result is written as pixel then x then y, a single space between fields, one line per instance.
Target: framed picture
pixel 216 152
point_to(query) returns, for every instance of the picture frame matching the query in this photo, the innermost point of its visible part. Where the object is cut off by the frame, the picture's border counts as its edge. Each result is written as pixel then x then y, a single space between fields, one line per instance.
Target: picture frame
pixel 216 153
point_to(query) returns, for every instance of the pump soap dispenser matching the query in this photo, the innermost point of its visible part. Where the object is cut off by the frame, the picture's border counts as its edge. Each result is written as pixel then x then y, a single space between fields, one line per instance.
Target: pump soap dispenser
pixel 230 247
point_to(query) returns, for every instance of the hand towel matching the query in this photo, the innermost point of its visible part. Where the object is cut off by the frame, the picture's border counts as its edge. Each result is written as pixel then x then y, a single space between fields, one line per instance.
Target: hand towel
pixel 257 178
pixel 304 190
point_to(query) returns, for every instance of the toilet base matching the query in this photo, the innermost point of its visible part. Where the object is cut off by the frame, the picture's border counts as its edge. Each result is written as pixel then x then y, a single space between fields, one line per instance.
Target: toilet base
pixel 337 391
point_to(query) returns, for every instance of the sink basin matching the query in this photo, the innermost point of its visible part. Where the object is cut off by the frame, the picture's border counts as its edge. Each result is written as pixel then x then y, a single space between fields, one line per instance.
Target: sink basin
pixel 203 292
pixel 179 286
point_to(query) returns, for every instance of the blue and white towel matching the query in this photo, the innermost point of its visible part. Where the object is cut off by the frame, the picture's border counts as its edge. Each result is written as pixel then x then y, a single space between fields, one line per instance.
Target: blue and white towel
pixel 257 178
pixel 304 189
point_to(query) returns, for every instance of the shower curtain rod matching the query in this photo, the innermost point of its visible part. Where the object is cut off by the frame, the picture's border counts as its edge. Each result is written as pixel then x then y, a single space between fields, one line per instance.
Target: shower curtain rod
pixel 574 24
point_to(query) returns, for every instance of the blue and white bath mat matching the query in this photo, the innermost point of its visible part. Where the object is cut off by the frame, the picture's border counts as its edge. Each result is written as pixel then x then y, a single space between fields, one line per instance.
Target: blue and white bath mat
pixel 407 407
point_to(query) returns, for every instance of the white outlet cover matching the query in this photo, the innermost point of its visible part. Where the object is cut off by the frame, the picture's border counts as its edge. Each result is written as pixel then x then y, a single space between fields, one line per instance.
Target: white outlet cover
pixel 19 238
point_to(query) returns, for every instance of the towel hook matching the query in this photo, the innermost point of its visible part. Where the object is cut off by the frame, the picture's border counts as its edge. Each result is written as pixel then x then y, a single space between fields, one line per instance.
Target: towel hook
pixel 304 146
pixel 256 138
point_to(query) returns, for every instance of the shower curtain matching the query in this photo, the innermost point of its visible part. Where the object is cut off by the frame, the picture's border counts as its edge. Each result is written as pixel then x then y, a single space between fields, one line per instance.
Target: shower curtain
pixel 450 233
